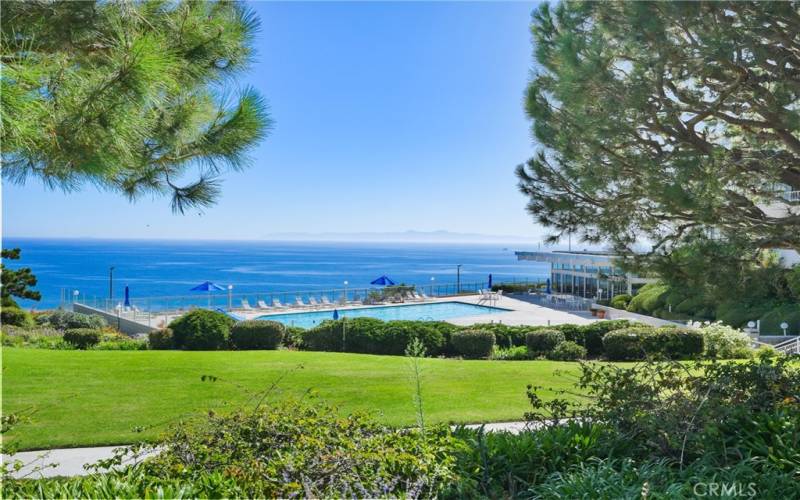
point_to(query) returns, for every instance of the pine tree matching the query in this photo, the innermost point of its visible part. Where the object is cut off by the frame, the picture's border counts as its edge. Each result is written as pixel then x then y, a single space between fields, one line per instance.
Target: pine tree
pixel 134 97
pixel 665 120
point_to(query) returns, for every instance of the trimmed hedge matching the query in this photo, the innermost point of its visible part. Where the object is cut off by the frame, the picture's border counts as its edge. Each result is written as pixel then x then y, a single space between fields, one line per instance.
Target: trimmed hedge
pixel 591 336
pixel 638 343
pixel 16 317
pixel 161 339
pixel 201 330
pixel 257 334
pixel 473 344
pixel 543 341
pixel 567 351
pixel 373 336
pixel 82 338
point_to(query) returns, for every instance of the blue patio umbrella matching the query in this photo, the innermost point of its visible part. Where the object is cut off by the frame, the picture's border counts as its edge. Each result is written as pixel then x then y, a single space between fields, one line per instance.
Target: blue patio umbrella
pixel 490 280
pixel 208 287
pixel 335 314
pixel 547 287
pixel 382 281
pixel 127 296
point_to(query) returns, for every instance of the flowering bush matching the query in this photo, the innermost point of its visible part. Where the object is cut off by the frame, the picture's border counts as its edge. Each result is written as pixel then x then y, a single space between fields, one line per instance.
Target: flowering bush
pixel 724 342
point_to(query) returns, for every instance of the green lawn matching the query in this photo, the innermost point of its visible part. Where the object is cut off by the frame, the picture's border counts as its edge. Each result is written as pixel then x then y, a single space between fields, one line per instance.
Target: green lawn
pixel 84 398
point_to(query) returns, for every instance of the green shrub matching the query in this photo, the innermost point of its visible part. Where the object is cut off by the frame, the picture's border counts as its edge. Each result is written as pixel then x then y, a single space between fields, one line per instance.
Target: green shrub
pixel 201 329
pixel 515 287
pixel 473 344
pixel 674 343
pixel 257 334
pixel 294 337
pixel 82 338
pixel 636 343
pixel 650 297
pixel 567 351
pixel 121 345
pixel 281 450
pixel 16 317
pixel 626 344
pixel 65 320
pixel 591 336
pixel 724 342
pixel 543 341
pixel 373 336
pixel 519 353
pixel 771 321
pixel 161 339
pixel 621 301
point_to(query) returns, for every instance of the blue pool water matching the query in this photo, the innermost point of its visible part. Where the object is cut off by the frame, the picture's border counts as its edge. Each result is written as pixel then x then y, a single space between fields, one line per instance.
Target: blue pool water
pixel 436 311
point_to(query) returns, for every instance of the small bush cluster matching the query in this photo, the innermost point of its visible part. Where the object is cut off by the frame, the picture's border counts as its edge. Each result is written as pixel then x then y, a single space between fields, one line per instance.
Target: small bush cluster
pixel 567 351
pixel 473 344
pixel 519 353
pixel 620 301
pixel 543 341
pixel 161 339
pixel 257 334
pixel 83 338
pixel 373 336
pixel 201 330
pixel 637 343
pixel 65 320
pixel 724 342
pixel 15 316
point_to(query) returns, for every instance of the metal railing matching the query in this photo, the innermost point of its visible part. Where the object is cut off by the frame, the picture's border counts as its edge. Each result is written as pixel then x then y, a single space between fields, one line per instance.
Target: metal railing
pixel 141 309
pixel 791 196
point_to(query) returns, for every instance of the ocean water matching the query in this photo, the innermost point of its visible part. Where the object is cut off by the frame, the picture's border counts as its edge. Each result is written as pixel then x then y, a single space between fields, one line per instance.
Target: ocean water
pixel 162 268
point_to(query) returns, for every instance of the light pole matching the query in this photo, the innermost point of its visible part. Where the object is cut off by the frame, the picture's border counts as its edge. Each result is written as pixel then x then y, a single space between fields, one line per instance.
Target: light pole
pixel 345 291
pixel 75 296
pixel 110 286
pixel 230 297
pixel 432 280
pixel 784 327
pixel 458 278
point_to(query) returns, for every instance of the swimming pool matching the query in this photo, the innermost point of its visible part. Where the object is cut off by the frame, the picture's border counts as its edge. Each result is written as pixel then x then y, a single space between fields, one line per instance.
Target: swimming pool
pixel 435 311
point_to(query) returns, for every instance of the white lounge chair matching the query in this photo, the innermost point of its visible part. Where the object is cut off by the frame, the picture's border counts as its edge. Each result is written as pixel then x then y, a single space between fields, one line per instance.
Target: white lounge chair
pixel 424 297
pixel 298 301
pixel 276 303
pixel 262 305
pixel 326 301
pixel 246 305
pixel 313 302
pixel 418 296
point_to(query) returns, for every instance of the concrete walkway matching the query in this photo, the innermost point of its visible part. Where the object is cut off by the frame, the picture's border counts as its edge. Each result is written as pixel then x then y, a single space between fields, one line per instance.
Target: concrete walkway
pixel 72 461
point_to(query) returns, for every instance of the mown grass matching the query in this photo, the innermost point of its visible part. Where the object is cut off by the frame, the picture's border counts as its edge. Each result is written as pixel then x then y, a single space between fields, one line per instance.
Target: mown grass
pixel 90 398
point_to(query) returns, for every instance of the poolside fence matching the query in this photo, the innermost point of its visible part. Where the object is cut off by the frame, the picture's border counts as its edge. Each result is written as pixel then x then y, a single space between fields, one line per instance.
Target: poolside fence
pixel 140 308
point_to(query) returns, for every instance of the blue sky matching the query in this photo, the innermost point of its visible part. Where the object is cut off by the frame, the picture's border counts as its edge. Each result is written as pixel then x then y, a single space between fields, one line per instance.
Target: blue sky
pixel 389 117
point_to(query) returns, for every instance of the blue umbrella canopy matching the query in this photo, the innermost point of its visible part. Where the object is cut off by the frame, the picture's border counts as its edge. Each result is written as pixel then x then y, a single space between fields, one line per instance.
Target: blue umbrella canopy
pixel 547 289
pixel 490 280
pixel 382 281
pixel 335 314
pixel 127 296
pixel 207 286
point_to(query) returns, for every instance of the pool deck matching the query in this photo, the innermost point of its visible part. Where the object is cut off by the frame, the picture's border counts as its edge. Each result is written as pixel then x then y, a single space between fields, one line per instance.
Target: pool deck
pixel 519 312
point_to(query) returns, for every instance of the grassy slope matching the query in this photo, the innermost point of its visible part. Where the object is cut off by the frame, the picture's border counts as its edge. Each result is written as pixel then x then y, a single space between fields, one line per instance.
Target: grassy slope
pixel 85 398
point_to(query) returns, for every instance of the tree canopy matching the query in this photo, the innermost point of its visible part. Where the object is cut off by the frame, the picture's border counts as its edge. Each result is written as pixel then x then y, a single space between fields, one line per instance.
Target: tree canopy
pixel 132 96
pixel 16 282
pixel 666 120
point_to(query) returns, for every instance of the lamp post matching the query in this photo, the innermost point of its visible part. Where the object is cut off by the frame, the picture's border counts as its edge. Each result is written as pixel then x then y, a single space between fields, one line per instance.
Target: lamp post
pixel 110 285
pixel 458 278
pixel 432 280
pixel 230 297
pixel 784 327
pixel 75 294
pixel 345 291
